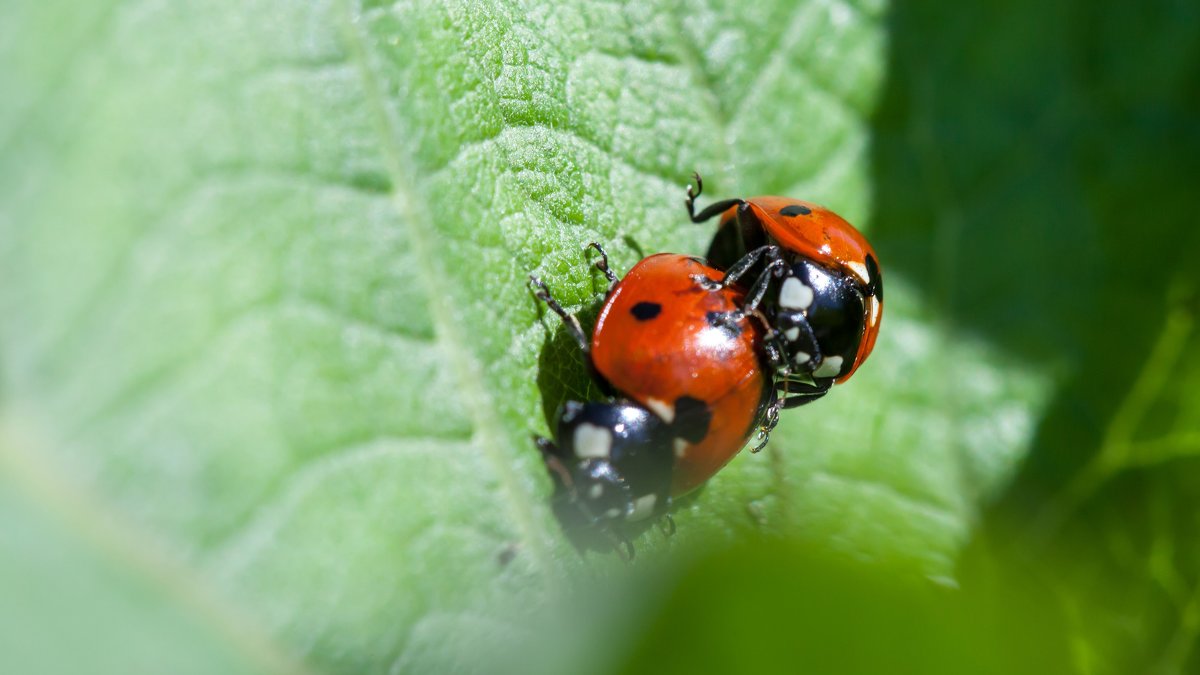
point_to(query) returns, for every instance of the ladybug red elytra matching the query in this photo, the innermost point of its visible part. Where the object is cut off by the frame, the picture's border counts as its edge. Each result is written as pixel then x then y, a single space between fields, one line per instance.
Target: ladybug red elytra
pixel 818 279
pixel 691 384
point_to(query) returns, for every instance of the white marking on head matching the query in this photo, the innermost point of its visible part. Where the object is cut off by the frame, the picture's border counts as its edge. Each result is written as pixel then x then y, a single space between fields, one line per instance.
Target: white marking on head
pixel 802 357
pixel 830 366
pixel 792 334
pixel 794 294
pixel 643 507
pixel 681 446
pixel 662 409
pixel 592 441
pixel 596 490
pixel 860 271
pixel 612 513
pixel 873 307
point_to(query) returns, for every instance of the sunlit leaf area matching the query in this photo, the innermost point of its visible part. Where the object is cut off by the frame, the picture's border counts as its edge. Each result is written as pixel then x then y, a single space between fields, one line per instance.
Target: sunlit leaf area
pixel 270 364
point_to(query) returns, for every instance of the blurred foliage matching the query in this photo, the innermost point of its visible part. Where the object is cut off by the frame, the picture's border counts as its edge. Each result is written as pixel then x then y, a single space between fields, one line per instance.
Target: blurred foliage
pixel 1049 152
pixel 73 606
pixel 268 367
pixel 774 606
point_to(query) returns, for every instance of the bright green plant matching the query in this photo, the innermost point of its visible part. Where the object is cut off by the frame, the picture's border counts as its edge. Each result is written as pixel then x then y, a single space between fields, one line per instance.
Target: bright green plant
pixel 269 365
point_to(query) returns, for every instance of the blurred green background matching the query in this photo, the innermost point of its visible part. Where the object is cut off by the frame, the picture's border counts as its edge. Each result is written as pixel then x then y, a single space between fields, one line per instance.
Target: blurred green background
pixel 268 366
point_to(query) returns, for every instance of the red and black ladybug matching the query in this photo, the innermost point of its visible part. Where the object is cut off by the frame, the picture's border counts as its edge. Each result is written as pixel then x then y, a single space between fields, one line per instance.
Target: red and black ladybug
pixel 690 379
pixel 817 278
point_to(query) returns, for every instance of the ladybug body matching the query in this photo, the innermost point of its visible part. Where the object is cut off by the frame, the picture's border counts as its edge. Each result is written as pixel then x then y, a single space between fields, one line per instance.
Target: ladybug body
pixel 691 386
pixel 675 347
pixel 819 279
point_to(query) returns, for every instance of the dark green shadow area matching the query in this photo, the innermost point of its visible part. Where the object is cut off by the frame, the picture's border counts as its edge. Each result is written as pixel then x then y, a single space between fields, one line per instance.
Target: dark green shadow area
pixel 562 368
pixel 1036 169
pixel 787 608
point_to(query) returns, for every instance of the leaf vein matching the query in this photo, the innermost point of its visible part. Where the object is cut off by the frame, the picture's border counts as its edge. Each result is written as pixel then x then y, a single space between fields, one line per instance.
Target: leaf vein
pixel 491 436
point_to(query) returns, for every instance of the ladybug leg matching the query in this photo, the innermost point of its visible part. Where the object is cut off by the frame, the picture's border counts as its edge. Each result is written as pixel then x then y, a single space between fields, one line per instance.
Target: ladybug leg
pixel 729 320
pixel 714 209
pixel 775 267
pixel 602 264
pixel 620 543
pixel 551 456
pixel 572 323
pixel 773 345
pixel 752 230
pixel 759 289
pixel 801 344
pixel 770 419
pixel 776 356
pixel 806 394
pixel 707 284
pixel 666 525
pixel 770 416
pixel 770 253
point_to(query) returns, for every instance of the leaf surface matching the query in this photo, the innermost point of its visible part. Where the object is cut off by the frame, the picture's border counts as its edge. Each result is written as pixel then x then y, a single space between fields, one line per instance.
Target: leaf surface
pixel 263 288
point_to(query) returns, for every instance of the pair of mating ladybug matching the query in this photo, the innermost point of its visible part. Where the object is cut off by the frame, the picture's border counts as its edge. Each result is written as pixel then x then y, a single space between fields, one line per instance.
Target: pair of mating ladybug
pixel 694 362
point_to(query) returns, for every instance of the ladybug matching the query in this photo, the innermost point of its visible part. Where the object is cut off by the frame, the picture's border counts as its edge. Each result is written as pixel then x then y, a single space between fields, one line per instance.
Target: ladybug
pixel 818 280
pixel 689 383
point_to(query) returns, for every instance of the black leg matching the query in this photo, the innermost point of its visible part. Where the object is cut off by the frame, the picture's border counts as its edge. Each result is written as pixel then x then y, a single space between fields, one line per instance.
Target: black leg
pixel 815 357
pixel 602 264
pixel 550 455
pixel 776 355
pixel 707 284
pixel 729 319
pixel 774 345
pixel 713 209
pixel 807 393
pixel 770 419
pixel 759 289
pixel 621 544
pixel 775 267
pixel 752 231
pixel 771 253
pixel 666 524
pixel 572 323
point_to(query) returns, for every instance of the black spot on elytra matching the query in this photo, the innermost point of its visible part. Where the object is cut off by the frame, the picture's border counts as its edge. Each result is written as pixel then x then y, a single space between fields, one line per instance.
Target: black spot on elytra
pixel 876 287
pixel 692 418
pixel 644 311
pixel 795 210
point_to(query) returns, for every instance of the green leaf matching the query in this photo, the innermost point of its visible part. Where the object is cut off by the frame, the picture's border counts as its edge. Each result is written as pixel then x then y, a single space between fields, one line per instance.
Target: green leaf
pixel 262 280
pixel 1053 175
pixel 803 611
pixel 66 605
